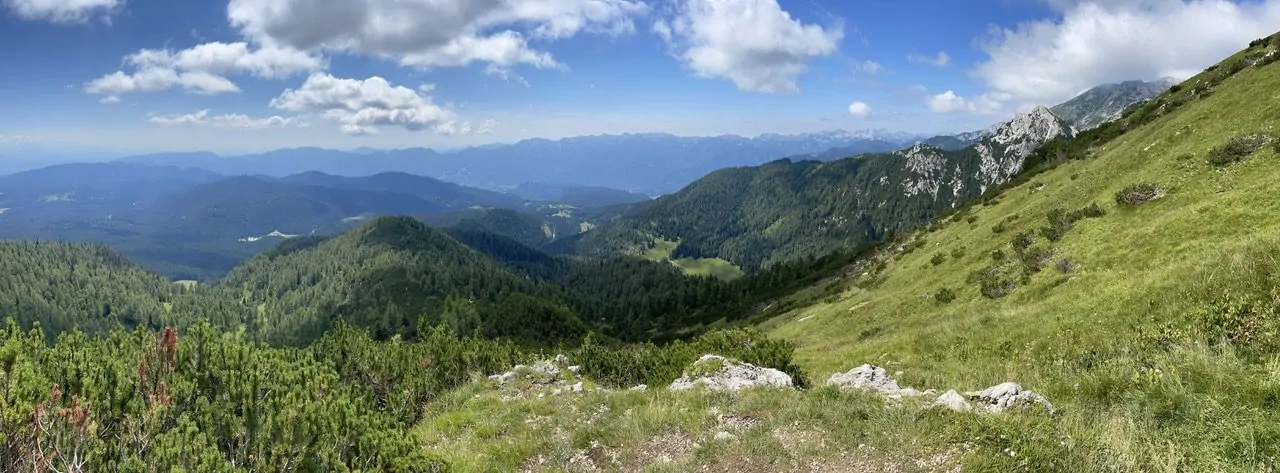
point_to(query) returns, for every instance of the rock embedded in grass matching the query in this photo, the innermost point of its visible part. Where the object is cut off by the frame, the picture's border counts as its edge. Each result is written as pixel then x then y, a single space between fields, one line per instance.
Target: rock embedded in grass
pixel 954 401
pixel 1008 396
pixel 874 378
pixel 717 373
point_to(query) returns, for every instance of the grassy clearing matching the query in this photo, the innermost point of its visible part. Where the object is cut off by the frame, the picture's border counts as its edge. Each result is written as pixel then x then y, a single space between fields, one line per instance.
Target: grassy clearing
pixel 1132 342
pixel 476 429
pixel 716 267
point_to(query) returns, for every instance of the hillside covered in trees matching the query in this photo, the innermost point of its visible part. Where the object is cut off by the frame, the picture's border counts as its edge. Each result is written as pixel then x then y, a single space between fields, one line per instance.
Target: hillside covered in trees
pixel 785 210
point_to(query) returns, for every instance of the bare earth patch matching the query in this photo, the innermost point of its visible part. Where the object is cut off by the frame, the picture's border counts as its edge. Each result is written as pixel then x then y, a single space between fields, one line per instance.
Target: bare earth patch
pixel 665 448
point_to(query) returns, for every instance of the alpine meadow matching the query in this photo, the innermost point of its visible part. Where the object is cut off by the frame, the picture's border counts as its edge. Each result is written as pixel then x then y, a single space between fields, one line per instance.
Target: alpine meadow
pixel 632 236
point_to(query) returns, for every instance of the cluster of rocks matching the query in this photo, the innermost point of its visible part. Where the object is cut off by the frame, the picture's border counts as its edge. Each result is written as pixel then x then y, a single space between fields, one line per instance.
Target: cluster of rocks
pixel 998 398
pixel 717 373
pixel 557 376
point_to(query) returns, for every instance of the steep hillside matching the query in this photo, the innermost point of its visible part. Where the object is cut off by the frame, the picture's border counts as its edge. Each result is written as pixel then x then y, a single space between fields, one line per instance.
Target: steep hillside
pixel 786 210
pixel 1134 284
pixel 1108 102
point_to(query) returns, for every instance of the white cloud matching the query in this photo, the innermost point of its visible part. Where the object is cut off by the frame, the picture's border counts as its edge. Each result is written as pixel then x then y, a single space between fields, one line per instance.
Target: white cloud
pixel 949 101
pixel 946 102
pixel 236 120
pixel 869 67
pixel 233 120
pixel 360 106
pixel 157 79
pixel 190 118
pixel 1093 42
pixel 754 43
pixel 63 11
pixel 859 109
pixel 109 99
pixel 429 33
pixel 17 138
pixel 940 60
pixel 203 69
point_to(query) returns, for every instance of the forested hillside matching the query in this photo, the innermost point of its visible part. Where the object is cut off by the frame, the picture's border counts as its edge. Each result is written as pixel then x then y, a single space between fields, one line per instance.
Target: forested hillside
pixel 786 210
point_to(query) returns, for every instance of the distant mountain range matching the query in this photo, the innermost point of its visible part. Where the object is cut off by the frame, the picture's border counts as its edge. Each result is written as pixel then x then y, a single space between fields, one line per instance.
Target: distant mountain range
pixel 787 210
pixel 650 164
pixel 191 223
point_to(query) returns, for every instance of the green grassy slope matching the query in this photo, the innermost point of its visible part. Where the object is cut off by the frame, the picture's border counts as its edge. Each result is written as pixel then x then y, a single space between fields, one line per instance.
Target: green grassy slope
pixel 1162 343
pixel 1160 346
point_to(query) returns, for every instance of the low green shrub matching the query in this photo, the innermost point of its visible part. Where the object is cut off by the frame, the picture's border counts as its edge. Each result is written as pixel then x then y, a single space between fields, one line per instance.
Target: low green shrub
pixel 1236 149
pixel 998 255
pixel 944 295
pixel 938 259
pixel 998 228
pixel 1023 241
pixel 1138 193
pixel 1065 266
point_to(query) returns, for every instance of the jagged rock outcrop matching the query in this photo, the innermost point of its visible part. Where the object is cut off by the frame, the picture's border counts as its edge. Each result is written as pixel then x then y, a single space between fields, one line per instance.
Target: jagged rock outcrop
pixel 873 378
pixel 717 373
pixel 1002 154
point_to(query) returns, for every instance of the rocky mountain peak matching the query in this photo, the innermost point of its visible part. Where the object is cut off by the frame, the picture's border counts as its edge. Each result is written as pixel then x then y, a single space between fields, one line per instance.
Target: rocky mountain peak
pixel 1029 130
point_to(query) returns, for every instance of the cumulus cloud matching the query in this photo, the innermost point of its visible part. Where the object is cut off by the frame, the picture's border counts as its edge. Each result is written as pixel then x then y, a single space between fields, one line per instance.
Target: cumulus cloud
pixel 754 43
pixel 429 33
pixel 946 102
pixel 949 101
pixel 360 106
pixel 940 60
pixel 233 120
pixel 859 109
pixel 203 69
pixel 1095 42
pixel 63 11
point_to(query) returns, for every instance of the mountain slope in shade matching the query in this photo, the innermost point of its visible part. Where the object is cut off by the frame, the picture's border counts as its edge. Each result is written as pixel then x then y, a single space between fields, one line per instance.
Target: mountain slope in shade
pixel 1108 102
pixel 784 210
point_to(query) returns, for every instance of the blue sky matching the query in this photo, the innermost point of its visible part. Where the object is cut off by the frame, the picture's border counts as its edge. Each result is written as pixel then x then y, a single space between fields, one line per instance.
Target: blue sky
pixel 249 75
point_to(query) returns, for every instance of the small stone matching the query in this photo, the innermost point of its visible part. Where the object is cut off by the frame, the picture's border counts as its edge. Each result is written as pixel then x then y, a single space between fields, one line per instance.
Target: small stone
pixel 577 388
pixel 562 360
pixel 1004 396
pixel 503 378
pixel 872 378
pixel 639 387
pixel 725 436
pixel 575 368
pixel 954 401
